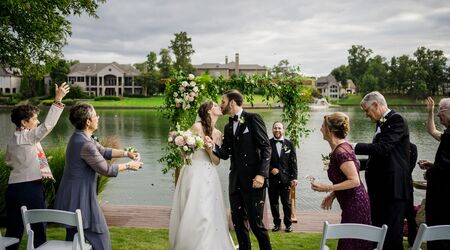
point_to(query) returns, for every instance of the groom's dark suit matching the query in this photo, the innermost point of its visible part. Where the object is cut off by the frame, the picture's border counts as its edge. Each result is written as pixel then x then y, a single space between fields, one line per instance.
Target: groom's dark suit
pixel 388 176
pixel 250 152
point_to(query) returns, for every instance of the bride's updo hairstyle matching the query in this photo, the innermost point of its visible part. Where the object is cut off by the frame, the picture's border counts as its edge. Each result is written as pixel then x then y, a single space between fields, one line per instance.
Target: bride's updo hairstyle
pixel 205 119
pixel 338 124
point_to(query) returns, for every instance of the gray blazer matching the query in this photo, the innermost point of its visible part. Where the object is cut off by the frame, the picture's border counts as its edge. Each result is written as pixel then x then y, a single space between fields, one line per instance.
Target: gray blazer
pixel 85 159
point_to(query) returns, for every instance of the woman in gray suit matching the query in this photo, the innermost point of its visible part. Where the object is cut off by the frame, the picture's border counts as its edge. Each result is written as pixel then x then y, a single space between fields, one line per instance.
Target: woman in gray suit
pixel 85 159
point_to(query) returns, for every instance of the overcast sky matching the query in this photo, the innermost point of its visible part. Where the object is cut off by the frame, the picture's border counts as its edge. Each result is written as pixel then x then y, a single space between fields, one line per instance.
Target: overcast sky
pixel 314 34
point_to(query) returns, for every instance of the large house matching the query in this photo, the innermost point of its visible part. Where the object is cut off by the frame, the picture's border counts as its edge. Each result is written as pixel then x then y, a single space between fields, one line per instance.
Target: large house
pixel 101 79
pixel 10 79
pixel 229 68
pixel 328 86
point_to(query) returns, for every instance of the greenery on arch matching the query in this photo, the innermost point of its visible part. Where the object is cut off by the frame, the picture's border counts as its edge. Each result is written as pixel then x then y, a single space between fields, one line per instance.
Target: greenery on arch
pixel 289 91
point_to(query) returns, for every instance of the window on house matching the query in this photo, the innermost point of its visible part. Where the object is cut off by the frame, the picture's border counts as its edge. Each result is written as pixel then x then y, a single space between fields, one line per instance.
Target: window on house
pixel 14 90
pixel 7 90
pixel 80 79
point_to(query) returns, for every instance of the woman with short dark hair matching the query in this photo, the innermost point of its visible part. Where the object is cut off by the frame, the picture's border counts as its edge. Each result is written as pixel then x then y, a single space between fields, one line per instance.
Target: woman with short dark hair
pixel 29 166
pixel 85 160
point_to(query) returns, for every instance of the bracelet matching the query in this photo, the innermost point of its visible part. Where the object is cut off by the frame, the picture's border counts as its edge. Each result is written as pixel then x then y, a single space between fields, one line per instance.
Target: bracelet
pixel 125 153
pixel 127 166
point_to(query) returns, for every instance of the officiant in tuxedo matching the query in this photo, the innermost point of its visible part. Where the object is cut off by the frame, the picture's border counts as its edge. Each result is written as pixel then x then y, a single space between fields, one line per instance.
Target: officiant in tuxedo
pixel 388 174
pixel 282 176
pixel 247 144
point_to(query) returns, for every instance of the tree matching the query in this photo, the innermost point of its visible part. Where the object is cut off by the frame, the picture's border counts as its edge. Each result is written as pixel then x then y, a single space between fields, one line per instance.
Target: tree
pixel 284 69
pixel 358 62
pixel 181 47
pixel 165 63
pixel 151 61
pixel 32 32
pixel 58 74
pixel 433 62
pixel 341 74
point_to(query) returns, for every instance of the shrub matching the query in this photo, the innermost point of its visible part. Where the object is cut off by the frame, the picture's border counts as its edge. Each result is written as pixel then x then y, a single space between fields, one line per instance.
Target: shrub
pixel 77 93
pixel 107 98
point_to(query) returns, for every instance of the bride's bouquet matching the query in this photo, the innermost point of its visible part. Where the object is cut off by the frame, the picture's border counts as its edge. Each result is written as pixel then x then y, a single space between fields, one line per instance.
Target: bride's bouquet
pixel 186 142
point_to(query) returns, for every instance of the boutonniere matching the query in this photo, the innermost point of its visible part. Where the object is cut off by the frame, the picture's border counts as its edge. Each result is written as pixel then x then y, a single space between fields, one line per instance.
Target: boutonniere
pixel 241 120
pixel 95 138
pixel 383 120
pixel 286 149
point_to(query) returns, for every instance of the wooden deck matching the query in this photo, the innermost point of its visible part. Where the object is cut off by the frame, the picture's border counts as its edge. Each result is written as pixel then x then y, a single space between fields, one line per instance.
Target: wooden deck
pixel 158 217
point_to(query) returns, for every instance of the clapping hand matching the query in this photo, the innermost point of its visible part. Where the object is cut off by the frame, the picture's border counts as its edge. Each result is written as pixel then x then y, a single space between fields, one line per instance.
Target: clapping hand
pixel 61 91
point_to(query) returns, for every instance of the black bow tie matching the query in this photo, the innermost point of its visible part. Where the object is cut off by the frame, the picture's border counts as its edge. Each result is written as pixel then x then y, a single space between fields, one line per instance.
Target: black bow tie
pixel 278 141
pixel 234 118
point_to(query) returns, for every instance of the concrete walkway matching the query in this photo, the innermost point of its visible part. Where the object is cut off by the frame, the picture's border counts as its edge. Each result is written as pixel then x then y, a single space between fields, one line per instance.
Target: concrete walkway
pixel 158 217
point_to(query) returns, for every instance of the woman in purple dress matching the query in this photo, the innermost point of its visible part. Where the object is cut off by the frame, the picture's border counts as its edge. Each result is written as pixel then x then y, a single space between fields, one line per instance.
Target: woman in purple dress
pixel 343 172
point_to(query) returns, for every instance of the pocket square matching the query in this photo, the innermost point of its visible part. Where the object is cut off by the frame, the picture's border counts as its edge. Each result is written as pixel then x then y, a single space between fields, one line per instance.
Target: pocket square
pixel 245 131
pixel 287 152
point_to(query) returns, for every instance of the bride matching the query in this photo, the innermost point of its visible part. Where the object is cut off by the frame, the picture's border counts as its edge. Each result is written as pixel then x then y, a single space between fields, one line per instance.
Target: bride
pixel 198 220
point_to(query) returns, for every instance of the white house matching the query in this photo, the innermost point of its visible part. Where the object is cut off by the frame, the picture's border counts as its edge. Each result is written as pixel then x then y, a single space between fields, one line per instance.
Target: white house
pixel 230 68
pixel 10 79
pixel 328 86
pixel 101 79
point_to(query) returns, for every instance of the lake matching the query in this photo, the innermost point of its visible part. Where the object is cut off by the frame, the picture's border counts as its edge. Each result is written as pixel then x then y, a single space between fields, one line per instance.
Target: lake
pixel 147 131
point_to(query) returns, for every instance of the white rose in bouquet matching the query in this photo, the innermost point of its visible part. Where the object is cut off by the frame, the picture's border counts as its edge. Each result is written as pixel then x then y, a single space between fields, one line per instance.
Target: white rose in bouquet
pixel 191 77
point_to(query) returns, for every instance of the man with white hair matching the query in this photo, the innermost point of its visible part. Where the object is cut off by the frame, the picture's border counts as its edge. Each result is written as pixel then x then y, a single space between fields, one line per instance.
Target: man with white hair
pixel 387 168
pixel 438 173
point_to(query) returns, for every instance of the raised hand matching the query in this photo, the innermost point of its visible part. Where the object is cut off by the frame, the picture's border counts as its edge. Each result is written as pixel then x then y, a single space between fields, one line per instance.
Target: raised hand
pixel 61 91
pixel 430 104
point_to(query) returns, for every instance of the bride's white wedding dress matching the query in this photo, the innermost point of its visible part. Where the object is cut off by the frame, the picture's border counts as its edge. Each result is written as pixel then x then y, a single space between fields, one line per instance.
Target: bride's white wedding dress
pixel 198 220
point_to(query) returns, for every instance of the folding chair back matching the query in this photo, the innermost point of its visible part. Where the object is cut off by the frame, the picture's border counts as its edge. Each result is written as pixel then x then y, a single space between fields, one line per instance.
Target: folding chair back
pixel 7 241
pixel 55 216
pixel 353 231
pixel 431 233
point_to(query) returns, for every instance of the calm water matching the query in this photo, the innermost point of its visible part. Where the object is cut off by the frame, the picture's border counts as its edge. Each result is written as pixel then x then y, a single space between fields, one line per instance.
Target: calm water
pixel 146 130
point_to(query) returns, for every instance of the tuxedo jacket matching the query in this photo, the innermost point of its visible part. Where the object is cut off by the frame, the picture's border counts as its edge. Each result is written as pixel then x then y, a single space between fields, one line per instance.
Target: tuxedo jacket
pixel 388 173
pixel 286 162
pixel 249 150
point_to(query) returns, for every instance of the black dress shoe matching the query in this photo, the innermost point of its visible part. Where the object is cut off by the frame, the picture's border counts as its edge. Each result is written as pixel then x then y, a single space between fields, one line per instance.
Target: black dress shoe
pixel 288 229
pixel 276 228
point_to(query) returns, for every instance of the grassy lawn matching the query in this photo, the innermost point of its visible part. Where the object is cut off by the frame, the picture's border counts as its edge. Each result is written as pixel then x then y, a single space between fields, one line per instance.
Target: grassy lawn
pixel 158 239
pixel 154 102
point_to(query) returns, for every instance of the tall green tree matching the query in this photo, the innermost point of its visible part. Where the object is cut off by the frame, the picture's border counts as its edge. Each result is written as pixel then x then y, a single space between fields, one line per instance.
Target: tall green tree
pixel 165 63
pixel 182 48
pixel 33 31
pixel 433 62
pixel 341 74
pixel 358 60
pixel 151 61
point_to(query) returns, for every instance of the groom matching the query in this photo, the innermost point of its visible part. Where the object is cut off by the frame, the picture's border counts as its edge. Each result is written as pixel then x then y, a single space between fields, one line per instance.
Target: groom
pixel 246 141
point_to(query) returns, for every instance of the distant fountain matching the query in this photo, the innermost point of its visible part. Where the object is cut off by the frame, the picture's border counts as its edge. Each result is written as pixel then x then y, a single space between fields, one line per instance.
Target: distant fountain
pixel 319 103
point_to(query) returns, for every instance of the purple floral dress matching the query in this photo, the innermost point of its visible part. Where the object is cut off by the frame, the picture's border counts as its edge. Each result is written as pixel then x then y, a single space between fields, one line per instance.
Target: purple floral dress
pixel 354 202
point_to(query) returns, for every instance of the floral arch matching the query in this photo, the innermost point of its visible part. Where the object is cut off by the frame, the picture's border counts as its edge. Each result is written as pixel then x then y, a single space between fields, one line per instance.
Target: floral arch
pixel 185 94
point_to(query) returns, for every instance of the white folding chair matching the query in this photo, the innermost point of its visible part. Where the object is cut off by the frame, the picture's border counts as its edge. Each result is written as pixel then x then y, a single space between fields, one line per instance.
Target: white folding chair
pixel 353 231
pixel 7 241
pixel 430 233
pixel 55 216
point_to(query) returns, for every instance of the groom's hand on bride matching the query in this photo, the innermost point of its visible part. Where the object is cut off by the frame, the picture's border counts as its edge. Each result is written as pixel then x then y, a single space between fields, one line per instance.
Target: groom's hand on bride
pixel 258 181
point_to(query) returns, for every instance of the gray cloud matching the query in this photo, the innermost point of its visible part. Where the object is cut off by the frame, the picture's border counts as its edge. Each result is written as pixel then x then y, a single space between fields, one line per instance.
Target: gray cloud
pixel 313 34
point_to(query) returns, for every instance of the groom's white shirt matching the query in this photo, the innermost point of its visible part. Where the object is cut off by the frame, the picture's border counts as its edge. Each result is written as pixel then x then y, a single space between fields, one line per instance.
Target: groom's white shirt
pixel 236 123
